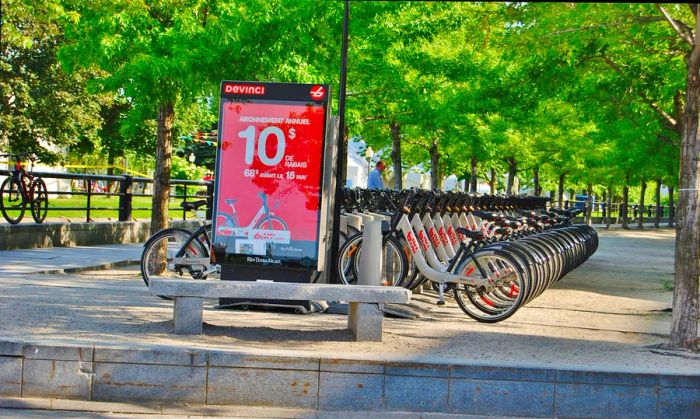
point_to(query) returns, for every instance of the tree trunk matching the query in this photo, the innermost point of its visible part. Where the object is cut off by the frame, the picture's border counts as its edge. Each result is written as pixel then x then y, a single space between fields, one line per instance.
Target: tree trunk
pixel 641 204
pixel 512 171
pixel 671 208
pixel 608 206
pixel 161 179
pixel 493 181
pixel 560 191
pixel 684 324
pixel 572 198
pixel 657 198
pixel 474 178
pixel 589 204
pixel 625 201
pixel 434 166
pixel 396 154
pixel 536 181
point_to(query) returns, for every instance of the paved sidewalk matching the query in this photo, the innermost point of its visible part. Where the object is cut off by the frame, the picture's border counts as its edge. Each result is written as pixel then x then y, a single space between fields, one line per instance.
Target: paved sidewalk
pixel 609 313
pixel 588 347
pixel 67 259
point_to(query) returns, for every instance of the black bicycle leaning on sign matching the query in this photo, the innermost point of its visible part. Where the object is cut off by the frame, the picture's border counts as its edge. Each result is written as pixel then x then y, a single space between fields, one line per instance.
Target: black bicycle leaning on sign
pixel 22 188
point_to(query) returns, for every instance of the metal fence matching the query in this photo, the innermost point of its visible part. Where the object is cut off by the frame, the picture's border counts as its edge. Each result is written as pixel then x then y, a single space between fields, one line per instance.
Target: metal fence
pixel 615 210
pixel 125 187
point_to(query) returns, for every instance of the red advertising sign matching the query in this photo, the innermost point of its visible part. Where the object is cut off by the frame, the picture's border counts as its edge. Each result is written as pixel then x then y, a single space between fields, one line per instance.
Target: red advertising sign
pixel 269 173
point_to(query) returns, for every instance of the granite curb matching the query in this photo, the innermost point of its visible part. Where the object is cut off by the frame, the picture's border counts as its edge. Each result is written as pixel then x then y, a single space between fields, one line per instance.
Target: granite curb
pixel 96 267
pixel 206 377
pixel 9 405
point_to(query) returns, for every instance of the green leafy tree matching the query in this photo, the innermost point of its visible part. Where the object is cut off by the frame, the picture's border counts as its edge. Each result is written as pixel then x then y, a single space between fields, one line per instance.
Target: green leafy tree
pixel 654 53
pixel 43 109
pixel 163 55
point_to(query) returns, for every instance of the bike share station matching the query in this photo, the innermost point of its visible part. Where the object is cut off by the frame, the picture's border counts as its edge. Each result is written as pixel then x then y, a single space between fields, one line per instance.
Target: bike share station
pixel 272 158
pixel 271 234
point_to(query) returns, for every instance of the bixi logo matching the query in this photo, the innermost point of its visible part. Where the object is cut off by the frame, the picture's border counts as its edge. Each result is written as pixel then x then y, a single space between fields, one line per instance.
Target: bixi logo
pixel 317 92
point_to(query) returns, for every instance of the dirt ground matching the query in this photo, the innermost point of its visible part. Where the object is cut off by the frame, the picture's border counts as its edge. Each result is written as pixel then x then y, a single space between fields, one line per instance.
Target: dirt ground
pixel 611 313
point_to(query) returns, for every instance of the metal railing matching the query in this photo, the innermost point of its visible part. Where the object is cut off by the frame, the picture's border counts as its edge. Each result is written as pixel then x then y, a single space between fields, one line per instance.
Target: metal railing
pixel 616 209
pixel 126 190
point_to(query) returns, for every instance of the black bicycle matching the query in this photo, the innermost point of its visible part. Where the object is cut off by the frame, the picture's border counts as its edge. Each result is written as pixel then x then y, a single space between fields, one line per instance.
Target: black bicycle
pixel 175 253
pixel 22 188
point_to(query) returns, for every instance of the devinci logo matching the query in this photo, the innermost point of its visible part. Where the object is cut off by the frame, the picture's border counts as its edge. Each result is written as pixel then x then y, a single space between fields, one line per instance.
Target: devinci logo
pixel 244 89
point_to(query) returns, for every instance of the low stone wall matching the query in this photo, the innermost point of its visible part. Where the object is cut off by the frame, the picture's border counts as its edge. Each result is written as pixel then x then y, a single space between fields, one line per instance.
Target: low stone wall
pixel 29 236
pixel 172 375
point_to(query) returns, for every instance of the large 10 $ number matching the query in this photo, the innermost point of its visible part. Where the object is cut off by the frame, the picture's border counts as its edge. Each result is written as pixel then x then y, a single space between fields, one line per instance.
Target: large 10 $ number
pixel 250 144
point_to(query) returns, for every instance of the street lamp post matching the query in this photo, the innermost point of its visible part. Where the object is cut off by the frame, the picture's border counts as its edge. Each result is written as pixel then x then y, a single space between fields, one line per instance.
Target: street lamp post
pixel 369 153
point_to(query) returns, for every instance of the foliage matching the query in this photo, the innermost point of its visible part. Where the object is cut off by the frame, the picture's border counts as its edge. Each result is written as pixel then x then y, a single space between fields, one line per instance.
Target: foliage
pixel 183 169
pixel 43 109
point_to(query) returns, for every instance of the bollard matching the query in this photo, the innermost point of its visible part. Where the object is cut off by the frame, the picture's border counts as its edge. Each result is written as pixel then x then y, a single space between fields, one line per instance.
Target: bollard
pixel 365 320
pixel 371 256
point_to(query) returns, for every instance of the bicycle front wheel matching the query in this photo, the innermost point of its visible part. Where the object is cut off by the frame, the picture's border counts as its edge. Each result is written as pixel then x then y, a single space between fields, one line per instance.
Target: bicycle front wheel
pixel 495 303
pixel 39 206
pixel 272 223
pixel 166 253
pixel 394 269
pixel 12 201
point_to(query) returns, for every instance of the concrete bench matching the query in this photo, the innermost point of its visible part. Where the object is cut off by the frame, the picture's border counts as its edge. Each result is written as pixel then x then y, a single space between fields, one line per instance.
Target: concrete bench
pixel 364 318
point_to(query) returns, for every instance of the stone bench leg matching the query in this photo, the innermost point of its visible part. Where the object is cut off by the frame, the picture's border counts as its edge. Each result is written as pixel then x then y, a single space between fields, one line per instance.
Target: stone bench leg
pixel 365 321
pixel 187 313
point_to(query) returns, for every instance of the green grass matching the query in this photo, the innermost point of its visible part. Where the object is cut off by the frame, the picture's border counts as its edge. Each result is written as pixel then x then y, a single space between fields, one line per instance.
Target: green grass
pixel 58 205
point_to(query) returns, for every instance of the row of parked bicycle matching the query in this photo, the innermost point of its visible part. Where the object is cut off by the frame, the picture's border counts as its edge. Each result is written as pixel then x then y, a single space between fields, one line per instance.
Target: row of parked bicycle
pixel 494 253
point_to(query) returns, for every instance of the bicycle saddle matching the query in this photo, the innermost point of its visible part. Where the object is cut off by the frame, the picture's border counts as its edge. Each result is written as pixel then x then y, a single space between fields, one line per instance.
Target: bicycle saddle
pixel 189 206
pixel 489 216
pixel 474 235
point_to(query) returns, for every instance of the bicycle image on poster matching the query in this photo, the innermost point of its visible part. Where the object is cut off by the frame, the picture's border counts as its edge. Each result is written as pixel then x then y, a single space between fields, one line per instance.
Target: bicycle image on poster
pixel 265 229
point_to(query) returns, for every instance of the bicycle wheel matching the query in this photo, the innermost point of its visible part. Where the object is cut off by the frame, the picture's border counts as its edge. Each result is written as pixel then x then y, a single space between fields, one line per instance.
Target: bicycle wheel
pixel 495 303
pixel 39 206
pixel 346 259
pixel 165 256
pixel 12 201
pixel 272 223
pixel 394 269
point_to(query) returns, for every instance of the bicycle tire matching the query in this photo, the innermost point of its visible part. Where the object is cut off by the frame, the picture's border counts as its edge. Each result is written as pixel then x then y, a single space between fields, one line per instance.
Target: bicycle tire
pixel 12 200
pixel 39 205
pixel 394 264
pixel 268 223
pixel 490 306
pixel 157 259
